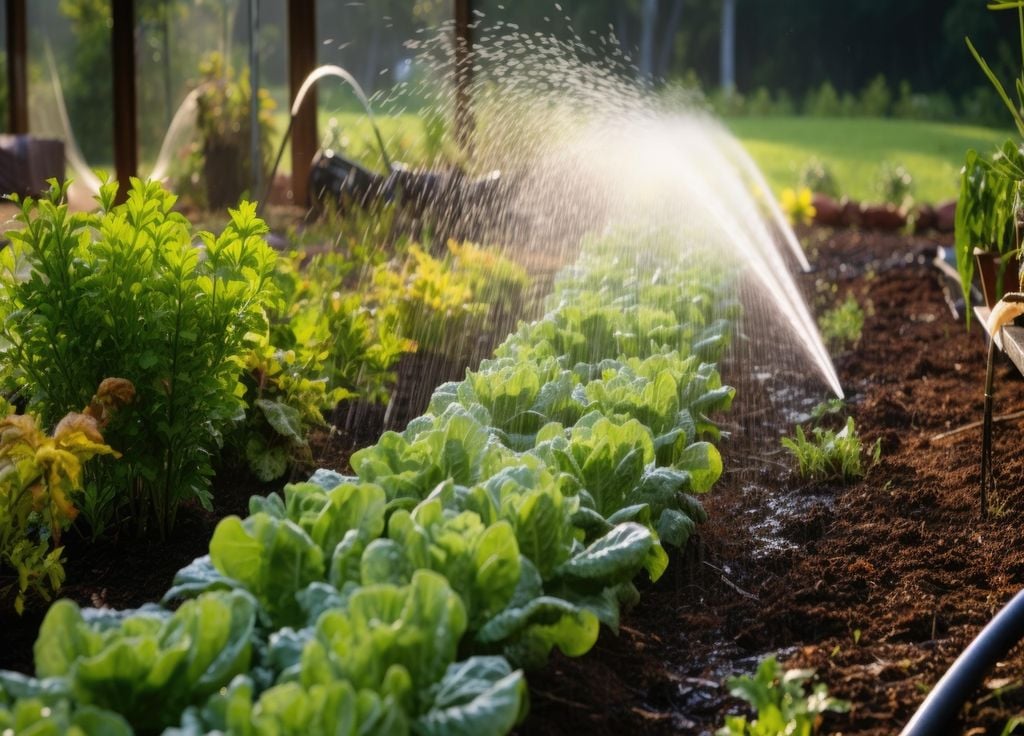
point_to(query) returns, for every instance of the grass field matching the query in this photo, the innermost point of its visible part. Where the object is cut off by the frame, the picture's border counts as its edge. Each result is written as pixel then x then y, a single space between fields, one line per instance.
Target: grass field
pixel 855 149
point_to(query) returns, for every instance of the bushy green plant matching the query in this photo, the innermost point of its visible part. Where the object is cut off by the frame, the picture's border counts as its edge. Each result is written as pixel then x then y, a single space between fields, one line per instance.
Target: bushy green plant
pixel 817 176
pixel 781 701
pixel 895 185
pixel 831 455
pixel 439 298
pixel 285 392
pixel 340 330
pixel 823 102
pixel 842 326
pixel 875 98
pixel 125 292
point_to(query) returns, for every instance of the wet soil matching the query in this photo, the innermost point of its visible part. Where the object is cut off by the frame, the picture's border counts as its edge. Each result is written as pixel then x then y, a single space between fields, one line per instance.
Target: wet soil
pixel 879 584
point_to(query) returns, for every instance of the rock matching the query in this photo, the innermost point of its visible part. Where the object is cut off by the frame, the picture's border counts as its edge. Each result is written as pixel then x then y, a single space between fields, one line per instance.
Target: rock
pixel 827 211
pixel 882 217
pixel 924 218
pixel 851 213
pixel 945 216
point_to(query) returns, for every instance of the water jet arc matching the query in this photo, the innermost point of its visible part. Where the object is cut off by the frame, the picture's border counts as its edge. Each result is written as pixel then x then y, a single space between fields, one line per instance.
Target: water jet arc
pixel 327 70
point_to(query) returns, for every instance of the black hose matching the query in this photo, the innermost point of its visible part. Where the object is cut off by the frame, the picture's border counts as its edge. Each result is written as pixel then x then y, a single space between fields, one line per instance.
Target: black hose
pixel 940 709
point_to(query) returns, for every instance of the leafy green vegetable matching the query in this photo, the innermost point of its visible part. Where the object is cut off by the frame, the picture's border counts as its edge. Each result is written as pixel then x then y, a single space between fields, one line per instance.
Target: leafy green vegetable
pixel 148 667
pixel 396 641
pixel 782 704
pixel 480 562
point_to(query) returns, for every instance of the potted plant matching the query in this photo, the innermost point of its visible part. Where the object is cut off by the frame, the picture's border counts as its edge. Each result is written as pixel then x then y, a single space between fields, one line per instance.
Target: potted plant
pixel 987 215
pixel 221 153
pixel 988 209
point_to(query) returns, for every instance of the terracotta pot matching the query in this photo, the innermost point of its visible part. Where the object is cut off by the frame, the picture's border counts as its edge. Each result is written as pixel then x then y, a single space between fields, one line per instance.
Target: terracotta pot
pixel 999 274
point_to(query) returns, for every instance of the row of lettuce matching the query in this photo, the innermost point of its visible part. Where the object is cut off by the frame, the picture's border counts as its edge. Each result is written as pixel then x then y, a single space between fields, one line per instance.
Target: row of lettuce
pixel 230 355
pixel 511 519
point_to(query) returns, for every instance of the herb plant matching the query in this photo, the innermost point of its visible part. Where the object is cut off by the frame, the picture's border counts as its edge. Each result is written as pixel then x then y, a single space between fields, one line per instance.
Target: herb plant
pixel 842 326
pixel 126 292
pixel 781 701
pixel 828 454
pixel 896 185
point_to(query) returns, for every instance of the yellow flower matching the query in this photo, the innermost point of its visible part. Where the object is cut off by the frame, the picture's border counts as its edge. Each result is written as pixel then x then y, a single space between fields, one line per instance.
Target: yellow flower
pixel 798 205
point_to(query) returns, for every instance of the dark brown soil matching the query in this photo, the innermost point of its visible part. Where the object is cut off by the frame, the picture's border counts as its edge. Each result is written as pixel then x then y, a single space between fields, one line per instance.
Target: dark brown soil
pixel 878 585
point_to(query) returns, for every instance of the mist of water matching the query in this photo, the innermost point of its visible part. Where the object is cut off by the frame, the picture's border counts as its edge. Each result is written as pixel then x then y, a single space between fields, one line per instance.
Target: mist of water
pixel 587 150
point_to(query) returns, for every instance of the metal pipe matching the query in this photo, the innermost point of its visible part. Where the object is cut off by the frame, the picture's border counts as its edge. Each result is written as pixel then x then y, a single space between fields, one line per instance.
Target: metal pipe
pixel 17 66
pixel 942 706
pixel 254 97
pixel 986 433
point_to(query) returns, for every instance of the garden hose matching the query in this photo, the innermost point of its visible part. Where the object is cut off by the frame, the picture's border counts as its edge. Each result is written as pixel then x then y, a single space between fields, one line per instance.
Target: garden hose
pixel 942 706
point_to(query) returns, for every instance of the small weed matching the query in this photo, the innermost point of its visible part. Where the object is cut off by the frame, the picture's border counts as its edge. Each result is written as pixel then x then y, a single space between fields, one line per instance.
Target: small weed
pixel 856 637
pixel 842 326
pixel 817 176
pixel 827 408
pixel 830 455
pixel 782 704
pixel 896 185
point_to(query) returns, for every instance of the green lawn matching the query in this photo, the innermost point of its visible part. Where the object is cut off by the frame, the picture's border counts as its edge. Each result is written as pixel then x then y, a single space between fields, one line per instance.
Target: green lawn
pixel 855 148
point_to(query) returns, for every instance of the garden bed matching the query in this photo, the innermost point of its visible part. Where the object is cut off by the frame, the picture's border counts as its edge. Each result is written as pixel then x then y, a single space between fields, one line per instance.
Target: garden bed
pixel 878 585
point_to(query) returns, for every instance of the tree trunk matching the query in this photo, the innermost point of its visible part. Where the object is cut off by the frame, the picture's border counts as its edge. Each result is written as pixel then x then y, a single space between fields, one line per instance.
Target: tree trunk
pixel 728 46
pixel 648 19
pixel 668 40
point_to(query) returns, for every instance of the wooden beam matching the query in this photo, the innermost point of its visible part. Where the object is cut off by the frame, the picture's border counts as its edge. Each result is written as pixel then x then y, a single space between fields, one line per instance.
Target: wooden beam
pixel 17 66
pixel 463 73
pixel 302 47
pixel 126 138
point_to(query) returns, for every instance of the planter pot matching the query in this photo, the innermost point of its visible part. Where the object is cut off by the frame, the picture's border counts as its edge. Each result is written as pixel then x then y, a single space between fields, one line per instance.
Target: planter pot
pixel 222 168
pixel 999 274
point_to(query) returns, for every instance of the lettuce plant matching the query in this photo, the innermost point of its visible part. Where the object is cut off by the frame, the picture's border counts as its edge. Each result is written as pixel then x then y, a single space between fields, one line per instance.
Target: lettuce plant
pixel 147 665
pixel 125 292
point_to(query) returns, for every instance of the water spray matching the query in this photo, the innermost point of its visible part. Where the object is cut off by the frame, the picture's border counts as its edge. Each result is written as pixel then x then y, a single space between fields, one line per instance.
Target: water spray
pixel 327 70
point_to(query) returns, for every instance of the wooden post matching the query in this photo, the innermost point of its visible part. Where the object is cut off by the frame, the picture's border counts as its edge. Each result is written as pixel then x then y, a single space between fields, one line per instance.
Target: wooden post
pixel 463 73
pixel 17 65
pixel 301 62
pixel 126 148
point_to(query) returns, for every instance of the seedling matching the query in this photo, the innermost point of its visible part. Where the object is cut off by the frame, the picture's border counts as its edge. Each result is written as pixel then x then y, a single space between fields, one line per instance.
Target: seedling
pixel 830 455
pixel 842 326
pixel 782 704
